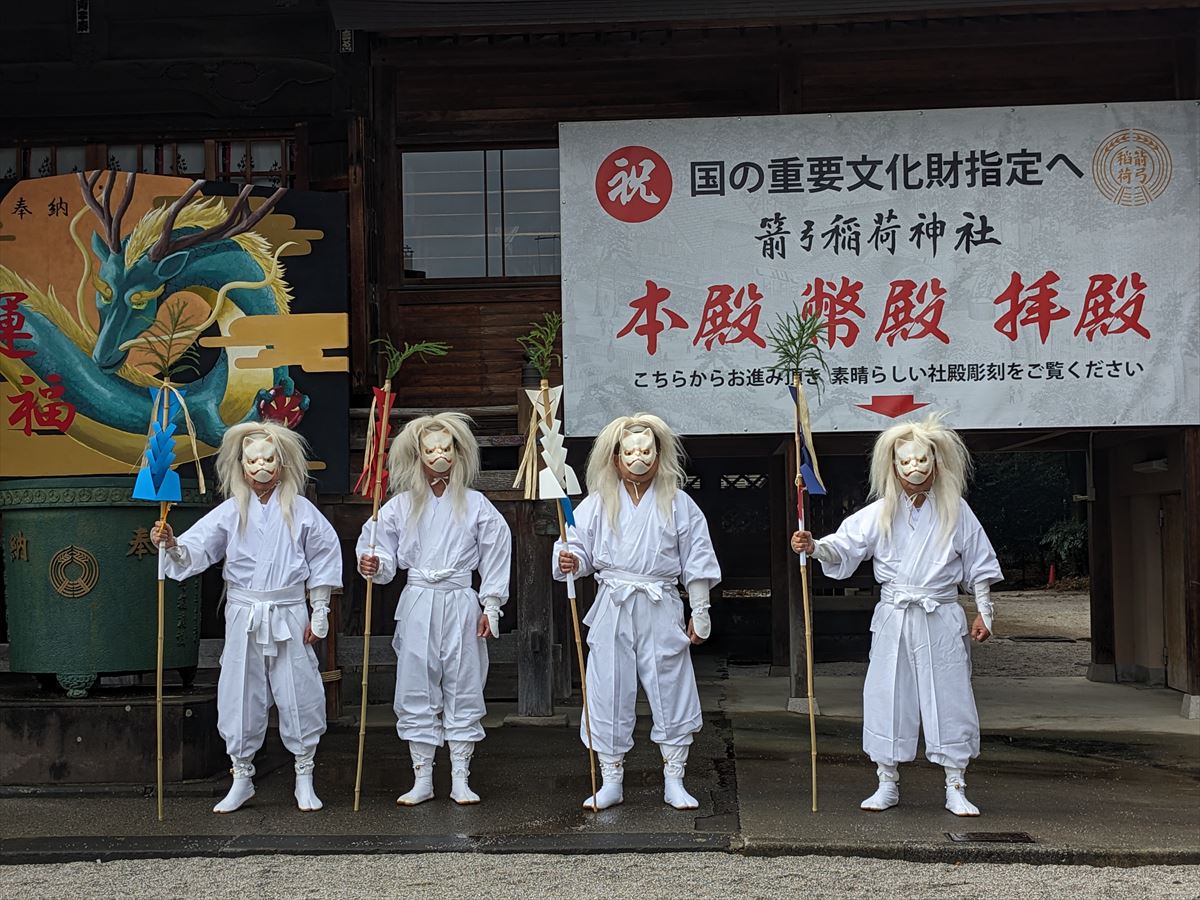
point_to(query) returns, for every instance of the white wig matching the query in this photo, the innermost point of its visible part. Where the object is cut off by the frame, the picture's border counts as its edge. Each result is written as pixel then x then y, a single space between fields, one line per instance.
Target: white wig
pixel 292 451
pixel 405 472
pixel 951 469
pixel 604 480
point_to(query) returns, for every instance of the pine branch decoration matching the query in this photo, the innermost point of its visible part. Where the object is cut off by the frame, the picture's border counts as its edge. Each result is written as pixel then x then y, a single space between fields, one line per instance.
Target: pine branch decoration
pixel 795 340
pixel 395 357
pixel 538 344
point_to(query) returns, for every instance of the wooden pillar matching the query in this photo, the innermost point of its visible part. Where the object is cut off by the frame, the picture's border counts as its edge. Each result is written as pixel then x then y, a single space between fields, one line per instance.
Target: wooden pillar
pixel 798 674
pixel 1100 567
pixel 535 619
pixel 1191 555
pixel 779 533
pixel 331 673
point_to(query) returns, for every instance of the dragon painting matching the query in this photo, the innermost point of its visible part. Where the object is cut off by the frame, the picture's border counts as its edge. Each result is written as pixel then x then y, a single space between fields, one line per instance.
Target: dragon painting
pixel 193 245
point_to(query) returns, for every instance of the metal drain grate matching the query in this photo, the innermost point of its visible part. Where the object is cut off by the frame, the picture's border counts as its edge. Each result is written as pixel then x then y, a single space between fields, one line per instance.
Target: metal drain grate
pixel 990 837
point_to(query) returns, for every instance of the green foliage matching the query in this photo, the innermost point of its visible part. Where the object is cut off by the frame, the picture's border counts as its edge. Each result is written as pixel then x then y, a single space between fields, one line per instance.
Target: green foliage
pixel 539 343
pixel 170 343
pixel 795 341
pixel 1067 541
pixel 394 357
pixel 1019 498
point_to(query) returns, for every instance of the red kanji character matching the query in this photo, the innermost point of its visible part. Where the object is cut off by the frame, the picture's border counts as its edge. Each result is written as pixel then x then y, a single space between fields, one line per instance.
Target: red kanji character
pixel 836 308
pixel 646 307
pixel 57 414
pixel 1037 305
pixel 913 312
pixel 12 320
pixel 719 322
pixel 1103 293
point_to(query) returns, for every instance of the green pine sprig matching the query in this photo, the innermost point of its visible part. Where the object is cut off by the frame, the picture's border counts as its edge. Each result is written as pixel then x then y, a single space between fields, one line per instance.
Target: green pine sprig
pixel 795 340
pixel 538 344
pixel 395 356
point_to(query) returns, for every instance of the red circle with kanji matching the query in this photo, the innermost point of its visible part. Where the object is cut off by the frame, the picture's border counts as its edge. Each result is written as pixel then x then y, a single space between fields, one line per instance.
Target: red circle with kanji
pixel 633 184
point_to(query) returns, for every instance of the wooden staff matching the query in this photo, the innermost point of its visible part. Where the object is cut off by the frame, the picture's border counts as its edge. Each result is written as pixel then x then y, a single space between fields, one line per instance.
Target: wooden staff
pixel 562 534
pixel 163 509
pixel 381 438
pixel 808 647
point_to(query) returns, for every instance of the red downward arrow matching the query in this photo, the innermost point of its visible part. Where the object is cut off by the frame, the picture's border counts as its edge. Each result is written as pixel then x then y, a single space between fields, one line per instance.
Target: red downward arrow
pixel 891 406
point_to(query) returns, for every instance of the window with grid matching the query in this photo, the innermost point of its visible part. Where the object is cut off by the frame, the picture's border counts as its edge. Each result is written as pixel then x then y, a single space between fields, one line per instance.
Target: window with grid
pixel 480 213
pixel 268 161
pixel 265 161
pixel 38 162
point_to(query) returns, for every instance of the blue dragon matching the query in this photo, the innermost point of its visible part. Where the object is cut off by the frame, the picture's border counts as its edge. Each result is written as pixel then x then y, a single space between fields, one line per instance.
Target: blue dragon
pixel 192 246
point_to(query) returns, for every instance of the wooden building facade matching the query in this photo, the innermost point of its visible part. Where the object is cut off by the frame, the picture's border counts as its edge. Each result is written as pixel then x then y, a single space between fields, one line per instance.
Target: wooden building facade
pixel 399 103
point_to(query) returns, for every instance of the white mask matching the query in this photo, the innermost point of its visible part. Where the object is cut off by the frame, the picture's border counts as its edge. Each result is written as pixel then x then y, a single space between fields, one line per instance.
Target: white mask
pixel 260 461
pixel 914 460
pixel 638 452
pixel 437 450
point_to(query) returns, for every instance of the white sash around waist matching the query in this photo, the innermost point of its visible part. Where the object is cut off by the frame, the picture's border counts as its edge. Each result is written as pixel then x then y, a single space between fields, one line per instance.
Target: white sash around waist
pixel 439 579
pixel 903 596
pixel 267 621
pixel 624 585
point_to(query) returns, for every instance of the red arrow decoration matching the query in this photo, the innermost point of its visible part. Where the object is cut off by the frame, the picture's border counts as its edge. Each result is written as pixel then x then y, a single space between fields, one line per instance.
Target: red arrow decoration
pixel 891 405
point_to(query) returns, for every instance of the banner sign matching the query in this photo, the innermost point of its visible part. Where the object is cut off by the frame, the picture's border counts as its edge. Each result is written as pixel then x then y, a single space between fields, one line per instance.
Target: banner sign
pixel 1033 267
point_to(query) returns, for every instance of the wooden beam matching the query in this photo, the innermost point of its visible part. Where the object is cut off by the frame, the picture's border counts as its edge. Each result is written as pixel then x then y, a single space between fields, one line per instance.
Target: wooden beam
pixel 1191 554
pixel 1100 568
pixel 781 558
pixel 798 673
pixel 535 618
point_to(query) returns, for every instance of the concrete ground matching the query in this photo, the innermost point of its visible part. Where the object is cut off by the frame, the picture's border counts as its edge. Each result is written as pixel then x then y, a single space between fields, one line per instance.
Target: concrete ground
pixel 1070 772
pixel 1104 774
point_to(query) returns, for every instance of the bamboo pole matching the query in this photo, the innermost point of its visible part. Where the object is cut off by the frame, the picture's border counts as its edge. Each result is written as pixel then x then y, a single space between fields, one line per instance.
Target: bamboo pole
pixel 808 646
pixel 163 509
pixel 380 455
pixel 562 534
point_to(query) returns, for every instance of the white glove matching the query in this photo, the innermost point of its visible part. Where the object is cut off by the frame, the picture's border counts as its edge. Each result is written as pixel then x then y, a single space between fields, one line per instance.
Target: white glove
pixel 180 555
pixel 698 600
pixel 824 552
pixel 491 609
pixel 983 603
pixel 319 622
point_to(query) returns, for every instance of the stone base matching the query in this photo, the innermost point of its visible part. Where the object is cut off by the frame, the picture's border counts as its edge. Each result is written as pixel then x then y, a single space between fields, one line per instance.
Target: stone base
pixel 800 705
pixel 557 720
pixel 1191 706
pixel 108 738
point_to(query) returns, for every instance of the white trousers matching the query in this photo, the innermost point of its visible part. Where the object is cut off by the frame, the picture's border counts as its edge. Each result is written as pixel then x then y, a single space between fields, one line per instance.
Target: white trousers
pixel 920 675
pixel 441 665
pixel 639 639
pixel 265 660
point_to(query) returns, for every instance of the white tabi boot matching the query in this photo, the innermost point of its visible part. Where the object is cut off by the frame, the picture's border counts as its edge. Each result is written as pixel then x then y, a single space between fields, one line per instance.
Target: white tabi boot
pixel 612 793
pixel 422 763
pixel 674 761
pixel 888 794
pixel 243 786
pixel 306 798
pixel 956 793
pixel 460 770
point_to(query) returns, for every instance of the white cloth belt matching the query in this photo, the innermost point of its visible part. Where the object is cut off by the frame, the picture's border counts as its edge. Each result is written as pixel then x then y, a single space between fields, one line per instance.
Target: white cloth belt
pixel 267 621
pixel 903 596
pixel 623 585
pixel 439 579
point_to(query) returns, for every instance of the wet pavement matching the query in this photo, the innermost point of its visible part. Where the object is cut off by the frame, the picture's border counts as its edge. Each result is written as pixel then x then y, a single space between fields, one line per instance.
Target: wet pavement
pixel 1092 793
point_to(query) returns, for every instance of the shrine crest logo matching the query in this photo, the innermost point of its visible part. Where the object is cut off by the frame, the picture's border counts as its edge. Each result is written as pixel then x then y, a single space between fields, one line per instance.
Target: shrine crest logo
pixel 633 184
pixel 1132 167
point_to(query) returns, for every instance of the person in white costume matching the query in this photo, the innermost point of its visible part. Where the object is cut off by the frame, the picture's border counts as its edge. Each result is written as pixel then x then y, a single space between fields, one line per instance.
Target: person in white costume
pixel 276 547
pixel 640 534
pixel 441 531
pixel 925 542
